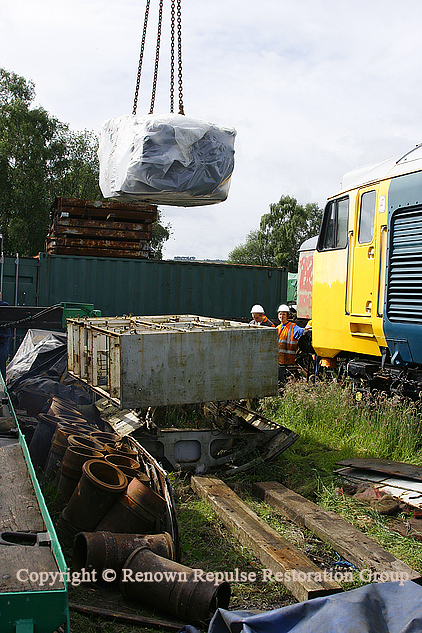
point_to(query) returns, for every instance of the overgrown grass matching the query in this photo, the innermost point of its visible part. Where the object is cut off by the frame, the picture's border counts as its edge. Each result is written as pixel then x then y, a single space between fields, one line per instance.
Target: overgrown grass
pixel 333 426
pixel 329 414
pixel 374 525
pixel 207 545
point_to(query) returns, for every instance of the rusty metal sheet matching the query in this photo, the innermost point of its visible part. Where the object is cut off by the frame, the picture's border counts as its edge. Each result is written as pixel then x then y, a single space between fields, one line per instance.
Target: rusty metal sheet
pixel 105 210
pixel 97 234
pixel 219 439
pixel 410 471
pixel 406 490
pixel 121 215
pixel 111 205
pixel 101 223
pixel 73 242
pixel 82 251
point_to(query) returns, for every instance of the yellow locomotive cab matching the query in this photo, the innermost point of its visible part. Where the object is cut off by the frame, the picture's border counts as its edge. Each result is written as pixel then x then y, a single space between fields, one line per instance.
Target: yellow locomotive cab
pixel 349 264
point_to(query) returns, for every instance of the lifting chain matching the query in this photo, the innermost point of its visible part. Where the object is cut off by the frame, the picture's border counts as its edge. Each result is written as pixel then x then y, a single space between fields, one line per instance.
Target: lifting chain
pixel 172 31
pixel 174 12
pixel 157 56
pixel 141 57
pixel 179 53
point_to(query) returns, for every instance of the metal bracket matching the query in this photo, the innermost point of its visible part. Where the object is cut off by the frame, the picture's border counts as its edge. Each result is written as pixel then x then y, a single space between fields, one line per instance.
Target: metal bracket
pixel 24 626
pixel 25 538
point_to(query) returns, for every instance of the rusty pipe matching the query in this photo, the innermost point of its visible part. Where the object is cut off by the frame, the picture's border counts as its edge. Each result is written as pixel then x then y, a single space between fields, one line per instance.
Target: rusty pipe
pixel 71 470
pixel 172 587
pixel 134 511
pixel 94 495
pixel 129 466
pixel 105 550
pixel 86 441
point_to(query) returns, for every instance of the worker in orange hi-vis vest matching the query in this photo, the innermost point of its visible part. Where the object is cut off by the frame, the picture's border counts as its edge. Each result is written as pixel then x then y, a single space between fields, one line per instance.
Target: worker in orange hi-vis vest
pixel 288 335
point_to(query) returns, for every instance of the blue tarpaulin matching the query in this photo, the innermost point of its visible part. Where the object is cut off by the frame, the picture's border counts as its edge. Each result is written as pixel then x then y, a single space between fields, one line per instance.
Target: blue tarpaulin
pixel 388 607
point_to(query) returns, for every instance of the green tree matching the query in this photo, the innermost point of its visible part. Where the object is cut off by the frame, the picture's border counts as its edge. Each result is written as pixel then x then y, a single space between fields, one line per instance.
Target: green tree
pixel 160 234
pixel 281 232
pixel 26 140
pixel 41 158
pixel 254 251
pixel 76 170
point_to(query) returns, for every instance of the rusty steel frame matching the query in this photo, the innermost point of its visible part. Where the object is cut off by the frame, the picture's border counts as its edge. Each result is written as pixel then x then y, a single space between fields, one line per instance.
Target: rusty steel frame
pixel 172 359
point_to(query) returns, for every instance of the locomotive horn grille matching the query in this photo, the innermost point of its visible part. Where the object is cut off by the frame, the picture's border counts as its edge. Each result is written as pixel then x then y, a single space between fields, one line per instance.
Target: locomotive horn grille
pixel 404 288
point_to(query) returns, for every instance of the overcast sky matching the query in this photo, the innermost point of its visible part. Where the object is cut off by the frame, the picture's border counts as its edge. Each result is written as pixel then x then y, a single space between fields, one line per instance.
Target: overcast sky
pixel 314 88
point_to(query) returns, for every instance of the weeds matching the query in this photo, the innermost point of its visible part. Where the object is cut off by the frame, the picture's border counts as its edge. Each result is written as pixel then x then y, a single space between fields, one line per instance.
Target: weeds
pixel 327 413
pixel 375 525
pixel 207 545
pixel 332 426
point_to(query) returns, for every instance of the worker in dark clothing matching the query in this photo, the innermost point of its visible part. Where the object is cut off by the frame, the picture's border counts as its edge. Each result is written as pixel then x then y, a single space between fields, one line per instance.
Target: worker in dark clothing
pixel 4 345
pixel 259 318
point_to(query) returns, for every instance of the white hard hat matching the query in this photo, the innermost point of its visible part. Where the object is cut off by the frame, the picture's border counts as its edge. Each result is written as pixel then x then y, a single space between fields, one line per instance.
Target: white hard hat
pixel 258 309
pixel 283 308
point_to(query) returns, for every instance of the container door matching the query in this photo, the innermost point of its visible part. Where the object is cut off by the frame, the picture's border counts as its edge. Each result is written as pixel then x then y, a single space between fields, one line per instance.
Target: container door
pixel 364 257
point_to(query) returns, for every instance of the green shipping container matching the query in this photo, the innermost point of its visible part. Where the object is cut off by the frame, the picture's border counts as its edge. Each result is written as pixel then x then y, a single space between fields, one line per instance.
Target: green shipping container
pixel 145 287
pixel 292 287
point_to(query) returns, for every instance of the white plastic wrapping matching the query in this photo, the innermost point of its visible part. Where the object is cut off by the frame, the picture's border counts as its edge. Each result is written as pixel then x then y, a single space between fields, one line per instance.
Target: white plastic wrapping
pixel 40 363
pixel 165 159
pixel 35 342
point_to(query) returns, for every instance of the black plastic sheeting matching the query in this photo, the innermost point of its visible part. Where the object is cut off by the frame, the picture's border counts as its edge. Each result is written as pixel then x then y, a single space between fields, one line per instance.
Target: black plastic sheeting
pixel 210 166
pixel 388 607
pixel 166 159
pixel 41 364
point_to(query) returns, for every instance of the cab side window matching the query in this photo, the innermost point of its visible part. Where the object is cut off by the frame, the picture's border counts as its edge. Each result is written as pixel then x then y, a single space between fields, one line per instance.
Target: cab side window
pixel 367 217
pixel 334 225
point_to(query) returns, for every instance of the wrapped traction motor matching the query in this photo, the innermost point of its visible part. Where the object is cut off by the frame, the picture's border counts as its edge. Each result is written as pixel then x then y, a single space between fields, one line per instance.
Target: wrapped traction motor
pixel 165 159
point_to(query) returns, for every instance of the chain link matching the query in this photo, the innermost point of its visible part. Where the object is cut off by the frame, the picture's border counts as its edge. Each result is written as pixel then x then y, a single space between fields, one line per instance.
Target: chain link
pixel 157 57
pixel 179 53
pixel 172 32
pixel 30 318
pixel 141 57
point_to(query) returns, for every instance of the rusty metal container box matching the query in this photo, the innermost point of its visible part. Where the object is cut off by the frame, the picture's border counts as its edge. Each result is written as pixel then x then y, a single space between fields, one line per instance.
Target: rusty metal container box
pixel 178 359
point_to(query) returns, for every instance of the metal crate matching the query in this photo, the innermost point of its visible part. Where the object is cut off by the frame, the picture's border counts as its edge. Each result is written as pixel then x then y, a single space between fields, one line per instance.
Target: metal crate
pixel 161 360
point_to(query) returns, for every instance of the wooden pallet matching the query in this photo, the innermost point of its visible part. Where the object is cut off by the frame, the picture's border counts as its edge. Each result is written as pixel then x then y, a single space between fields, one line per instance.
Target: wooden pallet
pixel 104 209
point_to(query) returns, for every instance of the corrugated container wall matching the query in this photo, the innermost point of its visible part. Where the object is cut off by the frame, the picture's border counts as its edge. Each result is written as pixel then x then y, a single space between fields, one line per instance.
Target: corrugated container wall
pixel 127 286
pixel 25 271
